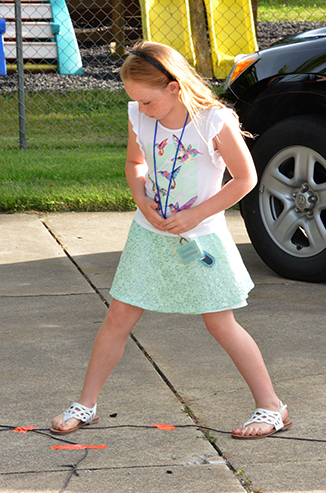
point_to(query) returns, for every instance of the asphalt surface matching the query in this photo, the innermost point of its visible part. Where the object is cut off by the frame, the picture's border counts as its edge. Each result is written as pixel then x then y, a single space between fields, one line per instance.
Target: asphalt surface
pixel 55 277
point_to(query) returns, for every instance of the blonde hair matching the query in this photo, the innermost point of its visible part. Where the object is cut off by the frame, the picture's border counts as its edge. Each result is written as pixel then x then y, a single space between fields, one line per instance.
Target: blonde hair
pixel 194 92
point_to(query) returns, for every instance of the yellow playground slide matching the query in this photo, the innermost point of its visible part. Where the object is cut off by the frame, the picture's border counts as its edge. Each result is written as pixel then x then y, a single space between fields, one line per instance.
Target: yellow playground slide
pixel 168 22
pixel 231 32
pixel 230 23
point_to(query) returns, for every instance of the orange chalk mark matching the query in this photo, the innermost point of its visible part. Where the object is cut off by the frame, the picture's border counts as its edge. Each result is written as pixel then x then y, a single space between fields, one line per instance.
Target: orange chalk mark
pixel 161 426
pixel 25 429
pixel 77 446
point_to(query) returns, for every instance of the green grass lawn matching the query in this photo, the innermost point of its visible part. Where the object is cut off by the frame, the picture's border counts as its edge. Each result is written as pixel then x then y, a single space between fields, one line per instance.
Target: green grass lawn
pixel 64 180
pixel 61 121
pixel 75 157
pixel 291 10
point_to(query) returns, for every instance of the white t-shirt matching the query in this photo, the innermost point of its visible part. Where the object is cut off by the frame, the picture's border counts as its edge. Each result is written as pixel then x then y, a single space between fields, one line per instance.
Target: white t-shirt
pixel 198 170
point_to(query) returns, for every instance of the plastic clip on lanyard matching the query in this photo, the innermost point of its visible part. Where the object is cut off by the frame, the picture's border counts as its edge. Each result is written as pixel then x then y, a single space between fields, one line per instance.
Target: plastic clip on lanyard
pixel 190 250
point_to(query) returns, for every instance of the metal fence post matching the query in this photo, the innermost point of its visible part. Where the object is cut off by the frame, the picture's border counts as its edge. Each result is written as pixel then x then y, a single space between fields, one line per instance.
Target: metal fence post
pixel 20 74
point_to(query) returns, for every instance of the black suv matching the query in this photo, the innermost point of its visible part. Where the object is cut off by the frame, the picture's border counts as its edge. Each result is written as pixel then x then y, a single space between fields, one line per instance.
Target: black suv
pixel 279 94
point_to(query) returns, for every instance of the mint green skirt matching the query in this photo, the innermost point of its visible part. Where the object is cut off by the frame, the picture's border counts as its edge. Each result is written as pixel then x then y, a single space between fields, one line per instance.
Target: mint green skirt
pixel 151 274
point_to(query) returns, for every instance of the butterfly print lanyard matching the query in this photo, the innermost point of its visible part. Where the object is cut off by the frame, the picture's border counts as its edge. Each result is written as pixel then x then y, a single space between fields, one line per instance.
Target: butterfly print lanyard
pixel 173 167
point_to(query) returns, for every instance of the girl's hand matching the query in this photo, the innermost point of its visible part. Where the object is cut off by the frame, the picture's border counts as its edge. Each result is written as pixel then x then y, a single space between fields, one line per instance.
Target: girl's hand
pixel 181 221
pixel 149 208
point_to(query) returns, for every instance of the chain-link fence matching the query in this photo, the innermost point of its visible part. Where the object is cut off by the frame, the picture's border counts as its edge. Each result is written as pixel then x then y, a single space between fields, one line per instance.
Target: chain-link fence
pixel 59 61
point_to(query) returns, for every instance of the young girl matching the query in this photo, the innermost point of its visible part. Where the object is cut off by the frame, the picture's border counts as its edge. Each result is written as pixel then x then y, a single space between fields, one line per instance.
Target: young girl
pixel 179 255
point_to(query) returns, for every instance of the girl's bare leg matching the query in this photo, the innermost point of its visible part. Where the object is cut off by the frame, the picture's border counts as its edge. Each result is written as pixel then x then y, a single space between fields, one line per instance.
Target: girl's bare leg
pixel 107 351
pixel 246 355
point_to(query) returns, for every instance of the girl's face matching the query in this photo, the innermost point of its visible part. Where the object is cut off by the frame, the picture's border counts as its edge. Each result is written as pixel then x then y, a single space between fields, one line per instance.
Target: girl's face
pixel 156 103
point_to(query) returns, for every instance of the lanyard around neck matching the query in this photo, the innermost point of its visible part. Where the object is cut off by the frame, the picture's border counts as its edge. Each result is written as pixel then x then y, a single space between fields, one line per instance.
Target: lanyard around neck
pixel 173 167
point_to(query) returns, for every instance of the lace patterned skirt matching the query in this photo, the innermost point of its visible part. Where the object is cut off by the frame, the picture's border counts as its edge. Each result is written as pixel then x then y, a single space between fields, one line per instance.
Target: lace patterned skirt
pixel 151 274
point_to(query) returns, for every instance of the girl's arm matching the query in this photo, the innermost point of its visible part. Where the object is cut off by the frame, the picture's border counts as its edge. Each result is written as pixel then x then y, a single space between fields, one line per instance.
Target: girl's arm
pixel 237 157
pixel 136 170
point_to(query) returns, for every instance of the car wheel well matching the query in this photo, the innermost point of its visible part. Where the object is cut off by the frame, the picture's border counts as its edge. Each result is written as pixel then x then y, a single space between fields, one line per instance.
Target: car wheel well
pixel 265 113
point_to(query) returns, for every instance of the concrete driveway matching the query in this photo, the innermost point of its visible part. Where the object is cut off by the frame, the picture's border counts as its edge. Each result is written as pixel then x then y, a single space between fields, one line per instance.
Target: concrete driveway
pixel 55 275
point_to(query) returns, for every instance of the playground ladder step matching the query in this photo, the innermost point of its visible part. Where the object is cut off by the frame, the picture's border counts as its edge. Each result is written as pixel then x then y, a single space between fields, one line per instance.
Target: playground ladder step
pixel 30 30
pixel 29 11
pixel 32 50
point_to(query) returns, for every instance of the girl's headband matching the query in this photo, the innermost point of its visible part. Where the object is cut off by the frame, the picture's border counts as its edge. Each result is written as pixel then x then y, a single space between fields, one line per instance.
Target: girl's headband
pixel 156 64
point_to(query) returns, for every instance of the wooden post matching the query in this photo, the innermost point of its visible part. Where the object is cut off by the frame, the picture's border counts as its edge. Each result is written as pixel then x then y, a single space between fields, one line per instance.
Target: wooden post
pixel 118 24
pixel 254 5
pixel 200 39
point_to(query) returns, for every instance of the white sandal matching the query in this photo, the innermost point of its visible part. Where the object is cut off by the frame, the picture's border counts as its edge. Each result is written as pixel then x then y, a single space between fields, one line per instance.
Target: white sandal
pixel 86 415
pixel 273 418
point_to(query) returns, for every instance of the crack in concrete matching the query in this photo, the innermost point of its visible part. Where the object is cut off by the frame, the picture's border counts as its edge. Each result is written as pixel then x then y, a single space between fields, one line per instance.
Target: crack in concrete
pixel 112 468
pixel 73 261
pixel 49 295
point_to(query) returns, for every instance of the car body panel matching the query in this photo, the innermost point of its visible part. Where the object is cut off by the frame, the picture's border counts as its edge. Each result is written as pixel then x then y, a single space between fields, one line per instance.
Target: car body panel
pixel 285 80
pixel 294 55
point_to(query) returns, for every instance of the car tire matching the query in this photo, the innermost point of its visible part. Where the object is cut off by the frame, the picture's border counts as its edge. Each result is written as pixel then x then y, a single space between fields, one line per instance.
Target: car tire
pixel 285 214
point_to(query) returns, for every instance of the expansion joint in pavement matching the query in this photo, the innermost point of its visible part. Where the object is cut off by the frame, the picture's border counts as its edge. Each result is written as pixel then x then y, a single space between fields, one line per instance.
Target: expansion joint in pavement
pixel 185 405
pixel 73 261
